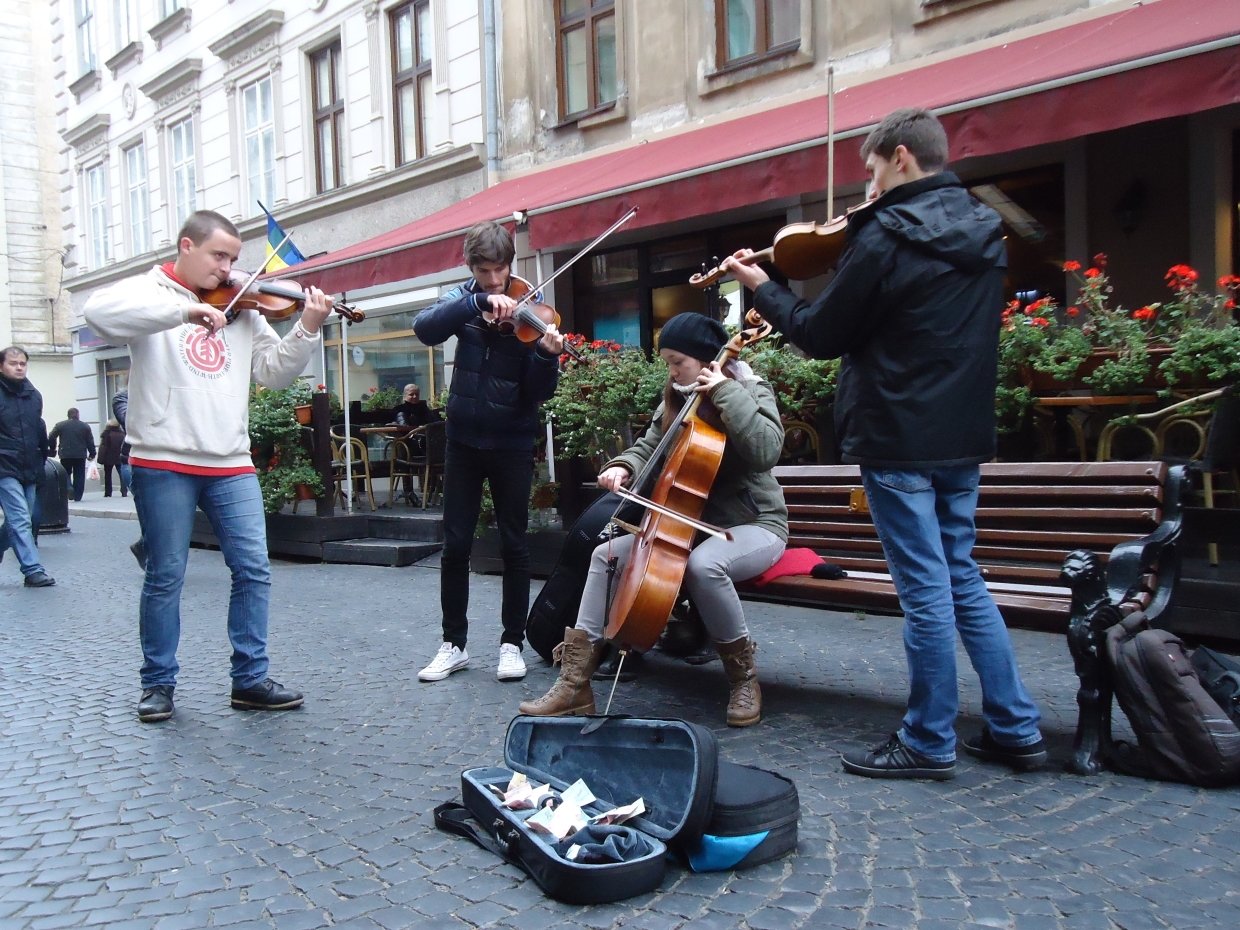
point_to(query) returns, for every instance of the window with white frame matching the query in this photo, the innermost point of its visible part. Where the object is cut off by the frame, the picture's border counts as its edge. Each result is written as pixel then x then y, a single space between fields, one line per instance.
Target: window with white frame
pixel 752 29
pixel 168 7
pixel 137 199
pixel 412 51
pixel 182 164
pixel 98 247
pixel 84 20
pixel 258 127
pixel 122 25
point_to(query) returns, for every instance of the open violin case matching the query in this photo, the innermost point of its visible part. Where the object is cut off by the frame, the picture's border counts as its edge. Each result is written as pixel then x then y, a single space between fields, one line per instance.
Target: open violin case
pixel 672 765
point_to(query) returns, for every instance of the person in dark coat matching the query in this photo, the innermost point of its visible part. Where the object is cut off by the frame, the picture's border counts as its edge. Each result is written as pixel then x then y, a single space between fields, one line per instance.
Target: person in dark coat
pixel 120 408
pixel 498 384
pixel 412 410
pixel 76 444
pixel 111 442
pixel 913 311
pixel 23 451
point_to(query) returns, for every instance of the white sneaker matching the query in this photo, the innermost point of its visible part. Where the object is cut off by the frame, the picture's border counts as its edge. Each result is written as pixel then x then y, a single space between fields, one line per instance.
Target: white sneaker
pixel 447 660
pixel 511 665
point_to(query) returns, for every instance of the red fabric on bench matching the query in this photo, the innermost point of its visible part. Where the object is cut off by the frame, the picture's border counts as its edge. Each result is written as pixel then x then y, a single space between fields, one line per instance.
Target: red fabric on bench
pixel 792 562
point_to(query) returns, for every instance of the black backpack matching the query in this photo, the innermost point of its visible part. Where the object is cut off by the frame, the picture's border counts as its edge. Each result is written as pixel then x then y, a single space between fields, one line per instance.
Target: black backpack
pixel 1183 733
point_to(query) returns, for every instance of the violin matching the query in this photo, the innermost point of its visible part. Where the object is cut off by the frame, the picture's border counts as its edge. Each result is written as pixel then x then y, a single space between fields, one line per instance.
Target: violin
pixel 276 300
pixel 650 583
pixel 799 250
pixel 532 318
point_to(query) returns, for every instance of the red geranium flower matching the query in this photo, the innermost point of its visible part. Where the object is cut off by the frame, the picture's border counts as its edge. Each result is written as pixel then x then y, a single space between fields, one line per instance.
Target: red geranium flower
pixel 1071 266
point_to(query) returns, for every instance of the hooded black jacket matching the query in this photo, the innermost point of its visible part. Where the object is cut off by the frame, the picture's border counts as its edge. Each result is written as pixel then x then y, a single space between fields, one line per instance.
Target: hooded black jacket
pixel 914 312
pixel 498 381
pixel 23 434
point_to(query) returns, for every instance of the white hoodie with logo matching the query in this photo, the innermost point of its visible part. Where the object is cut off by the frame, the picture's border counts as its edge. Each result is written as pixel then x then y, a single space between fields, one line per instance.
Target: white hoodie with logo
pixel 189 389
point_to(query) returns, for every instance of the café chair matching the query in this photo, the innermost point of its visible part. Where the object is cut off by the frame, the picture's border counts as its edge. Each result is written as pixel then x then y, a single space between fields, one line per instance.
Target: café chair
pixel 360 466
pixel 800 444
pixel 404 464
pixel 431 462
pixel 1209 446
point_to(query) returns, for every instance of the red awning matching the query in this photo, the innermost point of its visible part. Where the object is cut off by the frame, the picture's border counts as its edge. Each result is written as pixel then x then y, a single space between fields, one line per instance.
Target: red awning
pixel 1161 59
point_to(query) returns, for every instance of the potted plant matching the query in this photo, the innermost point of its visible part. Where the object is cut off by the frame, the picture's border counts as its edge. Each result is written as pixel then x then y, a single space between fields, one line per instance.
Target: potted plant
pixel 802 385
pixel 381 400
pixel 598 397
pixel 277 445
pixel 1098 346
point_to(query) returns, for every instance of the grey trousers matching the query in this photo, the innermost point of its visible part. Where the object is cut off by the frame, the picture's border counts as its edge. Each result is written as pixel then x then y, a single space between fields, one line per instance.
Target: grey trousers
pixel 713 566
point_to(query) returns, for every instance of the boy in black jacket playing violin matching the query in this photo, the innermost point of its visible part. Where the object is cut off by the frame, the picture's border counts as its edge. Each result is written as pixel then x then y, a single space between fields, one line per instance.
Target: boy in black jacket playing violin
pixel 498 384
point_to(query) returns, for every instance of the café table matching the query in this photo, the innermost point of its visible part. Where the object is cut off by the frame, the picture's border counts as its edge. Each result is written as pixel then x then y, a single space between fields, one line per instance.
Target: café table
pixel 1068 432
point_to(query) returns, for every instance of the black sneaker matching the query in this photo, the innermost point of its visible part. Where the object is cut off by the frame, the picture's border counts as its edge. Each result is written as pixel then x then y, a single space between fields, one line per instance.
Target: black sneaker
pixel 39 580
pixel 266 695
pixel 893 759
pixel 1020 758
pixel 156 704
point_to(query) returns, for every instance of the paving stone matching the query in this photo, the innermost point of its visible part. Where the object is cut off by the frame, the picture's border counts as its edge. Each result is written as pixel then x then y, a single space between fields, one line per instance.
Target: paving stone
pixel 274 820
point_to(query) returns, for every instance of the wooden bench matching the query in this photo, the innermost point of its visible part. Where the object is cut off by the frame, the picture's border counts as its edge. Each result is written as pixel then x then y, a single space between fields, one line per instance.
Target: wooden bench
pixel 1065 547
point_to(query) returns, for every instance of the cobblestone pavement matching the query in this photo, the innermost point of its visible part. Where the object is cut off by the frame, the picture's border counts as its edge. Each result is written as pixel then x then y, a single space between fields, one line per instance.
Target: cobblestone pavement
pixel 321 817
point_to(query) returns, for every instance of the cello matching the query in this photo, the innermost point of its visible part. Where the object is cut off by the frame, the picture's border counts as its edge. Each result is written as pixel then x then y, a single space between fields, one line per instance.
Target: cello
pixel 650 583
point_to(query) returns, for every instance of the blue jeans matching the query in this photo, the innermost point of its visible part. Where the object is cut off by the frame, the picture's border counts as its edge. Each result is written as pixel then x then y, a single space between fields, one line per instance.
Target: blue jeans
pixel 165 501
pixel 20 505
pixel 509 474
pixel 926 523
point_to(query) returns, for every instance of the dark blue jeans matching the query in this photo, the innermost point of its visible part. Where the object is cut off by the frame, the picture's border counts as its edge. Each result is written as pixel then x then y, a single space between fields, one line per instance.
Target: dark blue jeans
pixel 509 473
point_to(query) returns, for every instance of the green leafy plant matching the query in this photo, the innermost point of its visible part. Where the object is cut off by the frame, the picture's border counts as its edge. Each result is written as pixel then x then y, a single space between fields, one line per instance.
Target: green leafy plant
pixel 381 399
pixel 1109 349
pixel 277 446
pixel 598 397
pixel 801 384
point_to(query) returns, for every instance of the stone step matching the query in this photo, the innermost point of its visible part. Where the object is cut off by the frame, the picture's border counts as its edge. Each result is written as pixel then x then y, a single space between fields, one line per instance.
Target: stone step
pixel 378 551
pixel 425 526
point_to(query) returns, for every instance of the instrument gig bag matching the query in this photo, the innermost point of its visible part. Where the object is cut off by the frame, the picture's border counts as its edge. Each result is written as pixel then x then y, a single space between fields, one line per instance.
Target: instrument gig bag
pixel 670 764
pixel 753 820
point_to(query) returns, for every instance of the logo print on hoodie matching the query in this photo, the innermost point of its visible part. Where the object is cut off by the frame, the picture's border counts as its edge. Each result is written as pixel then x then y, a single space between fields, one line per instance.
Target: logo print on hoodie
pixel 205 354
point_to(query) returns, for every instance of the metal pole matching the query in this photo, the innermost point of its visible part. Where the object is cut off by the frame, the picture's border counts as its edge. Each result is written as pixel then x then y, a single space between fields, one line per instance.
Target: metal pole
pixel 348 435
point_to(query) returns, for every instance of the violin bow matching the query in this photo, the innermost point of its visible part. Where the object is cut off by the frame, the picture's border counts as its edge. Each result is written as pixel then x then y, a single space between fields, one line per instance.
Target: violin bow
pixel 568 264
pixel 230 312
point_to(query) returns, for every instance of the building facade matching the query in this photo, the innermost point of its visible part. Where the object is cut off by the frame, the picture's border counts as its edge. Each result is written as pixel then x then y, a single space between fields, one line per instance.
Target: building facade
pixel 341 118
pixel 34 262
pixel 1090 126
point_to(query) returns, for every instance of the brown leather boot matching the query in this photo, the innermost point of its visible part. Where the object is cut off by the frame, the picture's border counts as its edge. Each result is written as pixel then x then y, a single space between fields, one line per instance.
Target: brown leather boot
pixel 571 693
pixel 745 695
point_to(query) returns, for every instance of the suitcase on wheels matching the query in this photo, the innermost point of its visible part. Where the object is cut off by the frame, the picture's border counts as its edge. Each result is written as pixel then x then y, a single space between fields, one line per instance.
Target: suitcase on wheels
pixel 670 764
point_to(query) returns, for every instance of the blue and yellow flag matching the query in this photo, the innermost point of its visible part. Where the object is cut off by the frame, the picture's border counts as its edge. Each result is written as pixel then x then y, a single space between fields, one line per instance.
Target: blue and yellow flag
pixel 289 254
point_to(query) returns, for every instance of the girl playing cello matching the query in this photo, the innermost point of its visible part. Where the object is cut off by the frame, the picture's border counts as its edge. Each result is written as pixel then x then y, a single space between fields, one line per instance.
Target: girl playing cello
pixel 745 498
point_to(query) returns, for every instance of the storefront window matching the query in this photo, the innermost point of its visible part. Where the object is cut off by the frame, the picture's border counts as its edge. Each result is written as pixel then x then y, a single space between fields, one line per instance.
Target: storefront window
pixel 383 352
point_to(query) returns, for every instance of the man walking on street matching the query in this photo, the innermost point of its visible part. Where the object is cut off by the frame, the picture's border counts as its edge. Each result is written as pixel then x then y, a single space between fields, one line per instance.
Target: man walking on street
pixel 23 450
pixel 76 444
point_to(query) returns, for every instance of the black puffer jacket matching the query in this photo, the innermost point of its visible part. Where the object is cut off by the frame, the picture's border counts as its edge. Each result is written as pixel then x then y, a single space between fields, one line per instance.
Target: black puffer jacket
pixel 23 434
pixel 914 311
pixel 498 381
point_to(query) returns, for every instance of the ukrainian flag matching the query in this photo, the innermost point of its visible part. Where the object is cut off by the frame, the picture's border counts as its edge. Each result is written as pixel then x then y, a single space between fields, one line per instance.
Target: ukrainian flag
pixel 289 254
